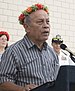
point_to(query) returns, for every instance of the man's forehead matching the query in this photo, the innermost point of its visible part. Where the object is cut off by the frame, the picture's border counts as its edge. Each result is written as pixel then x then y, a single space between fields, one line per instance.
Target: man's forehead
pixel 39 13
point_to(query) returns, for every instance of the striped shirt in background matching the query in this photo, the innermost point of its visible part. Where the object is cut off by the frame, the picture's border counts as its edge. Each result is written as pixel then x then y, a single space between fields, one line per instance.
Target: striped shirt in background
pixel 24 63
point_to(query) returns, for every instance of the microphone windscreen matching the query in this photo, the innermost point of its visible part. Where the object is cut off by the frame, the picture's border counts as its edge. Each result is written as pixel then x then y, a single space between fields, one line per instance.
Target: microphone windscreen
pixel 63 46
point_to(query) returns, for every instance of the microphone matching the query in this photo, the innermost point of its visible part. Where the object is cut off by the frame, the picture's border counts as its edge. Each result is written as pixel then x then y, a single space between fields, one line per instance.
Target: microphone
pixel 64 47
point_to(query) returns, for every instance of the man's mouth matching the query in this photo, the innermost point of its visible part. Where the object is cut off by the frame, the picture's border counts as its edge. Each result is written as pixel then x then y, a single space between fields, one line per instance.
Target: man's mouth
pixel 46 33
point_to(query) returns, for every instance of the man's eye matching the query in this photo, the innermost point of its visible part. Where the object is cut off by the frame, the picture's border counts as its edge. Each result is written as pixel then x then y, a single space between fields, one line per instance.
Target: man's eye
pixel 40 22
pixel 48 21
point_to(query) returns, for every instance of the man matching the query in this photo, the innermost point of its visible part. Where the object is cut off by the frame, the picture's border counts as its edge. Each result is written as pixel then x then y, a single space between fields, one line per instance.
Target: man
pixel 30 62
pixel 64 58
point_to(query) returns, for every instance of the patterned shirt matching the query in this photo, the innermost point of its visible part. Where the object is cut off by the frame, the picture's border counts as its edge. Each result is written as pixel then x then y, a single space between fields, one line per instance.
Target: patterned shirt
pixel 0 57
pixel 24 63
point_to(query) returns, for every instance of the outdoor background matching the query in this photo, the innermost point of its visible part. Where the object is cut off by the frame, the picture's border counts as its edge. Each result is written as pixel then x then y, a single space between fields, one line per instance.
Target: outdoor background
pixel 62 19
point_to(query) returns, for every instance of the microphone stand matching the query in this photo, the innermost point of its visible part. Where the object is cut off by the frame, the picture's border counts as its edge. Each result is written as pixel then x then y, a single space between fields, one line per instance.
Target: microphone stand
pixel 72 57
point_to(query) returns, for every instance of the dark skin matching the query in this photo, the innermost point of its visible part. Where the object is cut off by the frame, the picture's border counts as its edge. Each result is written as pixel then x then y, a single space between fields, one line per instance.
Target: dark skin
pixel 39 28
pixel 38 31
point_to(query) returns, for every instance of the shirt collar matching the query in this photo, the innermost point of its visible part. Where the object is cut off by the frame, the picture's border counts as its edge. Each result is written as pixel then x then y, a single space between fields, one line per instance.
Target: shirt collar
pixel 30 44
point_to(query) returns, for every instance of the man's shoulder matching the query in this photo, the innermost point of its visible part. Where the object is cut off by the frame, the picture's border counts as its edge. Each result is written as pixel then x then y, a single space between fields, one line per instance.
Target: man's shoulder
pixel 15 45
pixel 53 53
pixel 49 48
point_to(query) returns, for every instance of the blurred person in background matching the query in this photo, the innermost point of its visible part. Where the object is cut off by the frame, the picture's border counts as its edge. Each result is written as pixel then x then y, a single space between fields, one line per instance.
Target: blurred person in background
pixel 4 38
pixel 64 58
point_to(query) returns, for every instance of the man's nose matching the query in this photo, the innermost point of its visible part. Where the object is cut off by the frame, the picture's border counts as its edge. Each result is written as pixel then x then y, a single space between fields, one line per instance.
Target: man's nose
pixel 45 24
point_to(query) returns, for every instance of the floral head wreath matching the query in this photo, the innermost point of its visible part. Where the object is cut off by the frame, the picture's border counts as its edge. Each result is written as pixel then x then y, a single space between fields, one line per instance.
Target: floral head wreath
pixel 31 9
pixel 5 33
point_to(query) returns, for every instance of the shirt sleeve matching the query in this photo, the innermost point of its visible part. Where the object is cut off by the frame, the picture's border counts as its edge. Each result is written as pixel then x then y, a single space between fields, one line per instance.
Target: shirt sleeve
pixel 7 67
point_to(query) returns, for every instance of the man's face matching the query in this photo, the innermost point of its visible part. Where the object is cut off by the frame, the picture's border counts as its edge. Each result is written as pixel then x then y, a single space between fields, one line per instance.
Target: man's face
pixel 56 47
pixel 39 27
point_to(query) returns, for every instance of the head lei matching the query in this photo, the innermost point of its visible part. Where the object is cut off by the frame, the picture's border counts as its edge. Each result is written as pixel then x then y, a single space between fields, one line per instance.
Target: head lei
pixel 31 9
pixel 5 33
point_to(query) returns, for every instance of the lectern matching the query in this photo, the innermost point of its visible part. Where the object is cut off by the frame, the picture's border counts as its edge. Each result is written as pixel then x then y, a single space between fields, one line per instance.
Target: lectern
pixel 65 81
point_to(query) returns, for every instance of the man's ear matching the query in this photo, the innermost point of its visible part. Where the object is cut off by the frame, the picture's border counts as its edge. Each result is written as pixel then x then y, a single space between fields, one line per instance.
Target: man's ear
pixel 26 27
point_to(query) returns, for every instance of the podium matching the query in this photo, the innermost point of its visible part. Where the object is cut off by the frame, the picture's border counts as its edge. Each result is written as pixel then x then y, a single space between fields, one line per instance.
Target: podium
pixel 65 81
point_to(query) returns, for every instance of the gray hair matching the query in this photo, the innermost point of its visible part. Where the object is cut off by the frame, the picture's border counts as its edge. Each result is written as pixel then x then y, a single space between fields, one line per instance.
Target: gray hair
pixel 27 20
